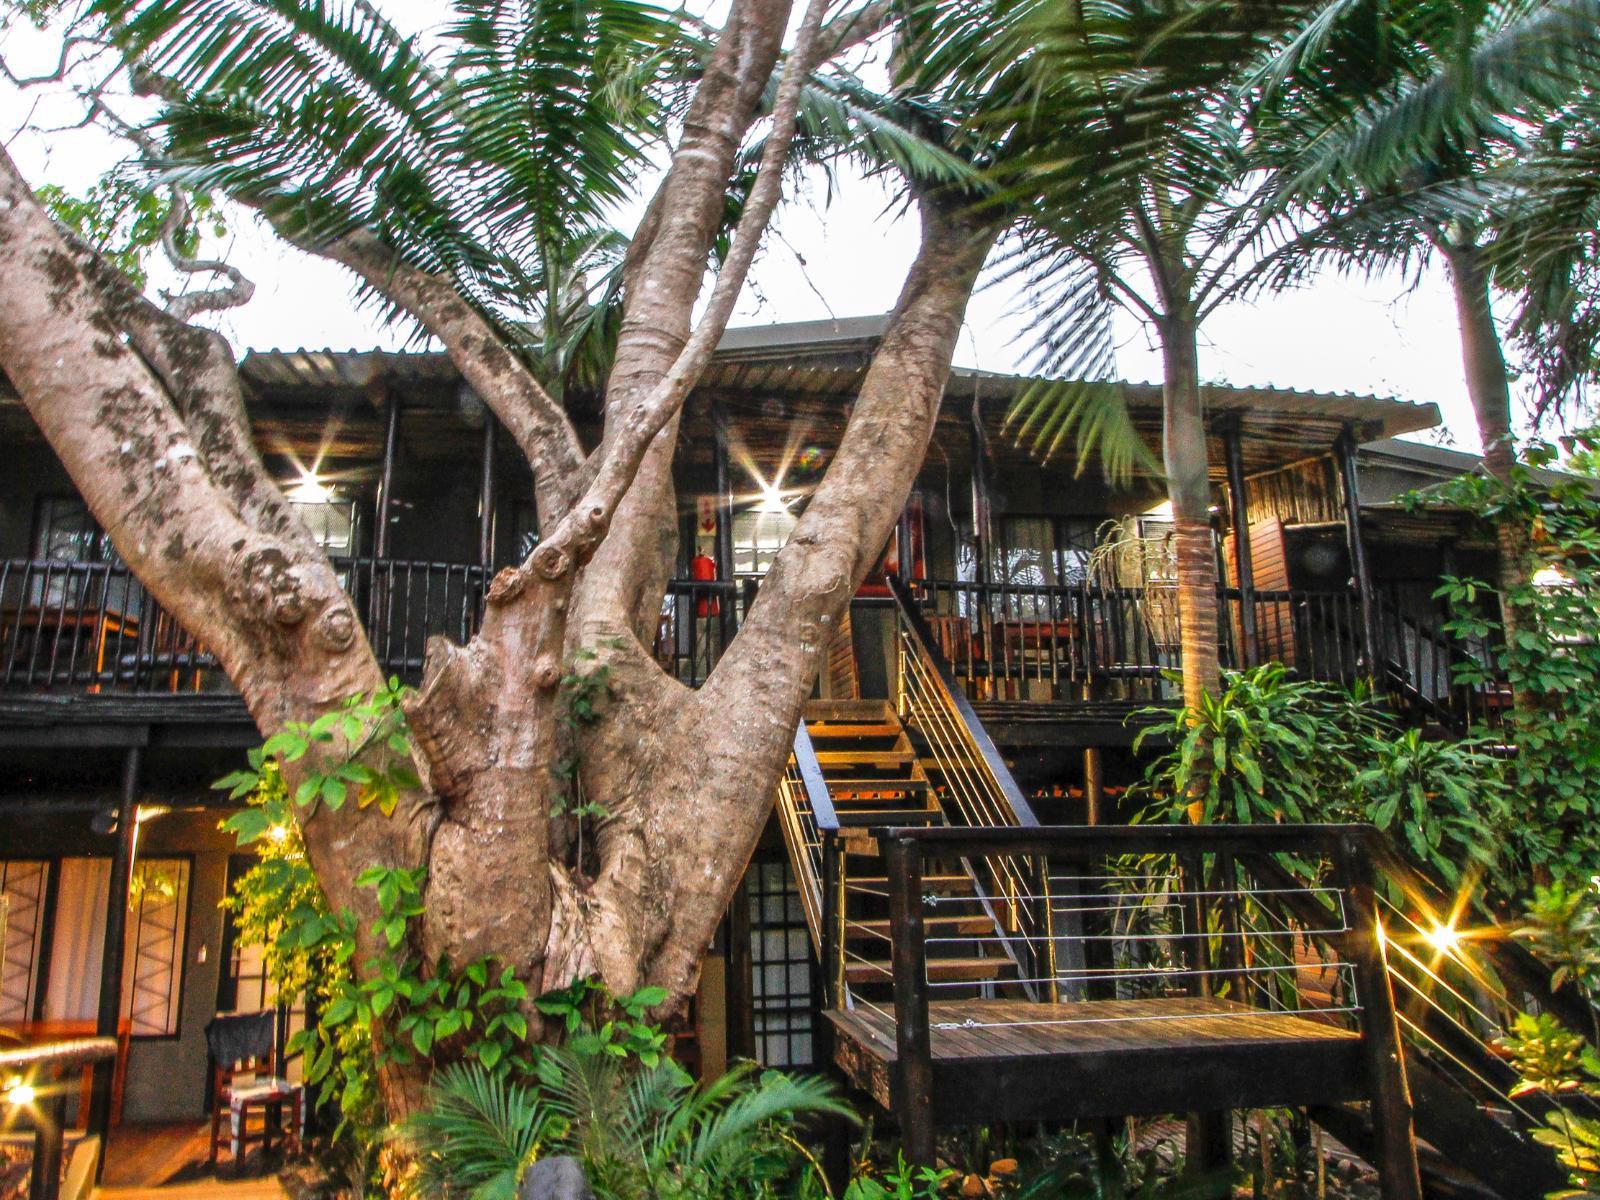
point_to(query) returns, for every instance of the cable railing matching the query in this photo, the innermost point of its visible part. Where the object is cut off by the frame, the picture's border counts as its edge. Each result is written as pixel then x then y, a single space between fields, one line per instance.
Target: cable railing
pixel 975 788
pixel 1162 940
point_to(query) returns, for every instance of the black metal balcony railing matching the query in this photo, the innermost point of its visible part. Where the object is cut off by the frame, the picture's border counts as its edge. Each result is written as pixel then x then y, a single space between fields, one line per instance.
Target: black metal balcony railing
pixel 67 626
pixel 1054 644
pixel 70 626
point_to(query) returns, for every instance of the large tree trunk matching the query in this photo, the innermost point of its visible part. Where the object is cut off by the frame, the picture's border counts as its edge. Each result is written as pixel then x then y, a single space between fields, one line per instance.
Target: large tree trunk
pixel 1189 489
pixel 1489 387
pixel 685 779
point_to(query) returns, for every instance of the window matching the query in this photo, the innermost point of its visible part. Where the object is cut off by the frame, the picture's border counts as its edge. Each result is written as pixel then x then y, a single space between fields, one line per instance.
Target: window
pixel 152 977
pixel 23 886
pixel 757 537
pixel 1043 551
pixel 65 531
pixel 157 934
pixel 780 967
pixel 332 523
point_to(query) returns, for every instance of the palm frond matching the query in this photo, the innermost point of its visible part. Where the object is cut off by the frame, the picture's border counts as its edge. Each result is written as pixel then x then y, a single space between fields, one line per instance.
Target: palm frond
pixel 1094 414
pixel 478 1133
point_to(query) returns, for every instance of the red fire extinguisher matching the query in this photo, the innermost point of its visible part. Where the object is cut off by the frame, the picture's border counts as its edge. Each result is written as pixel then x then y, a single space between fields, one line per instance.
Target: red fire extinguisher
pixel 703 569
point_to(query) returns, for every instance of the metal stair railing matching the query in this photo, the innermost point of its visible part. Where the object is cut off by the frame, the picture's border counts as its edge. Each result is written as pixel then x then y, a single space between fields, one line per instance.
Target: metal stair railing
pixel 978 792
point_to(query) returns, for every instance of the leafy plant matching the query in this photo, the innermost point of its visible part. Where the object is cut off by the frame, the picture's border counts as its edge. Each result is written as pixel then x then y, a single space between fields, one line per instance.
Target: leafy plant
pixel 1563 929
pixel 479 1133
pixel 1551 665
pixel 640 1131
pixel 1263 749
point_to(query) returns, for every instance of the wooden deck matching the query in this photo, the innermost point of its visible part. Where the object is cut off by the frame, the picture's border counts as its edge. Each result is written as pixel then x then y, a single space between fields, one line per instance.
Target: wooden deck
pixel 1014 1060
pixel 167 1162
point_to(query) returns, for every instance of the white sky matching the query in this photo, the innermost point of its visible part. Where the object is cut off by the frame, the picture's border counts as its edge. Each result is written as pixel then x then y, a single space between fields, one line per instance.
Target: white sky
pixel 1388 336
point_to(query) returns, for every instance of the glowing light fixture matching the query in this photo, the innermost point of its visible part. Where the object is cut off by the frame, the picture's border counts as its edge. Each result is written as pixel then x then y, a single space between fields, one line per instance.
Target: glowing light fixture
pixel 18 1094
pixel 310 488
pixel 1444 937
pixel 772 500
pixel 279 833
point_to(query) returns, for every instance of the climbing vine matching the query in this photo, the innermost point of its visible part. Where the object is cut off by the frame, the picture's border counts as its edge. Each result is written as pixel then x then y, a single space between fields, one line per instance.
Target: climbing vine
pixel 398 1008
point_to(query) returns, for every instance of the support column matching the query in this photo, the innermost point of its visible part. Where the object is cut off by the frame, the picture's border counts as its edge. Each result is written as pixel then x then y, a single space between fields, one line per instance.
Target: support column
pixel 739 988
pixel 724 484
pixel 1345 453
pixel 1238 508
pixel 109 1015
pixel 391 442
pixel 982 511
pixel 486 496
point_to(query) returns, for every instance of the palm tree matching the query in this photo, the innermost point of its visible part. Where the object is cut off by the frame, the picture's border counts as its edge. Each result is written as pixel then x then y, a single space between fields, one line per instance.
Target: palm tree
pixel 1127 153
pixel 1443 129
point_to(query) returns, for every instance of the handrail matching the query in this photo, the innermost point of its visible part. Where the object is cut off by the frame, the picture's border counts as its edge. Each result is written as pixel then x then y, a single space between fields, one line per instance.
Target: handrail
pixel 1212 913
pixel 48 1108
pixel 805 756
pixel 952 692
pixel 1125 839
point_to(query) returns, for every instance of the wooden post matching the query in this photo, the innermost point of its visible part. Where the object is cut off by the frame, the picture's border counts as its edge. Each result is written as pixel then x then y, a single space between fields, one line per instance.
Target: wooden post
pixel 914 1096
pixel 833 919
pixel 1345 451
pixel 44 1181
pixel 1393 1135
pixel 391 444
pixel 1208 1138
pixel 740 1001
pixel 982 533
pixel 109 1015
pixel 1237 504
pixel 724 541
pixel 1094 773
pixel 486 496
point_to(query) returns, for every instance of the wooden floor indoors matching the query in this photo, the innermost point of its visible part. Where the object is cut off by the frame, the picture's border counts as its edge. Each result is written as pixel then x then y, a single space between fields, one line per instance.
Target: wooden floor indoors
pixel 166 1162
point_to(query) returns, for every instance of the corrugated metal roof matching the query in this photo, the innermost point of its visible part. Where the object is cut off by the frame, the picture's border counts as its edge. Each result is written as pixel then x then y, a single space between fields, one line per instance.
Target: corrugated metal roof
pixel 830 358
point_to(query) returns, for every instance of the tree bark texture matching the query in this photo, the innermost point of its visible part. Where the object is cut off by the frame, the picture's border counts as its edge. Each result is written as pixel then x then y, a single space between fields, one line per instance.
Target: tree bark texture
pixel 1189 489
pixel 1489 387
pixel 145 413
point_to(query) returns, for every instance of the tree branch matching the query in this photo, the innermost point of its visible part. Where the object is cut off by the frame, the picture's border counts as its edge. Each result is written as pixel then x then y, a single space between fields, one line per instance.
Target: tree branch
pixel 540 426
pixel 626 441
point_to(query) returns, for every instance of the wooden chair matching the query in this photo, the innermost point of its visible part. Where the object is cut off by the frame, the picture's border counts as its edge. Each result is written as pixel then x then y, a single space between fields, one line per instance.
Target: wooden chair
pixel 242 1049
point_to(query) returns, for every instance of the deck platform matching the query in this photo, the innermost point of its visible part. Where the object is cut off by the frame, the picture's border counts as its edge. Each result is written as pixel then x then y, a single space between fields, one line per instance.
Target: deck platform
pixel 1016 1060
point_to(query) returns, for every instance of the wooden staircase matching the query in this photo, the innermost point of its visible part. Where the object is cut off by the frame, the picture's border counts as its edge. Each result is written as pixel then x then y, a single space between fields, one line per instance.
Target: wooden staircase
pixel 875 778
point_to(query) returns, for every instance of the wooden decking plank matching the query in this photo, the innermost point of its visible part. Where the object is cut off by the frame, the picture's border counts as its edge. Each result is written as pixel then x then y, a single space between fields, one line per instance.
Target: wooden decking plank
pixel 1010 1064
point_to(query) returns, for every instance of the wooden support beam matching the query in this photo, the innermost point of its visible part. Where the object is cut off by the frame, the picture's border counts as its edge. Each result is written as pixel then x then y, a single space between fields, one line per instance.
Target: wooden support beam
pixel 982 531
pixel 109 1014
pixel 1238 507
pixel 1345 452
pixel 486 497
pixel 914 1064
pixel 1394 1135
pixel 391 443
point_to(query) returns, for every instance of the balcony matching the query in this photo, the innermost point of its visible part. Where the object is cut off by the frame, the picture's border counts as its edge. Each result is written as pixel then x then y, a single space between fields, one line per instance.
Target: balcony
pixel 92 628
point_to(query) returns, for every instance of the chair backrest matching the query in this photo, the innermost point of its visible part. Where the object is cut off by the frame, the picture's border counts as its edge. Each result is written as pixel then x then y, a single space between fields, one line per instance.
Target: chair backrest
pixel 238 1038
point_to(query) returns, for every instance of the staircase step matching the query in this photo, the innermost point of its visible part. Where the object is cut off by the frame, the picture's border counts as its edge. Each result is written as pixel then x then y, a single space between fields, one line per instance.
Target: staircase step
pixel 828 730
pixel 861 818
pixel 940 884
pixel 974 923
pixel 849 710
pixel 841 789
pixel 940 970
pixel 864 758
